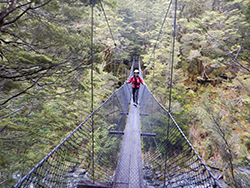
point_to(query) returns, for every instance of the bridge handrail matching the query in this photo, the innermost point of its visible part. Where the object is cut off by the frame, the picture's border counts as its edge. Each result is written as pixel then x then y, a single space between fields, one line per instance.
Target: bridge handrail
pixel 182 133
pixel 64 140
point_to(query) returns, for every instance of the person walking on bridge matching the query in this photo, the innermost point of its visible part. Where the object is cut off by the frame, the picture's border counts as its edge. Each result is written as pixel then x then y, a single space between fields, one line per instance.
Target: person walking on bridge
pixel 136 80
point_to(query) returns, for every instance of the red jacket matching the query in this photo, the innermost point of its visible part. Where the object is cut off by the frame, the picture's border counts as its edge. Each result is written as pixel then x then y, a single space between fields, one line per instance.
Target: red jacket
pixel 139 80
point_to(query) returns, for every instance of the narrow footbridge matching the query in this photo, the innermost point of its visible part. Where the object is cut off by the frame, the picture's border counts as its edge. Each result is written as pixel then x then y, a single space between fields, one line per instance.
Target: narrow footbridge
pixel 123 146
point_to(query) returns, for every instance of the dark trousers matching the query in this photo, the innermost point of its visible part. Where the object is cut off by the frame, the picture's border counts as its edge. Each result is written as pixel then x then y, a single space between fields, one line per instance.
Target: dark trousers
pixel 135 94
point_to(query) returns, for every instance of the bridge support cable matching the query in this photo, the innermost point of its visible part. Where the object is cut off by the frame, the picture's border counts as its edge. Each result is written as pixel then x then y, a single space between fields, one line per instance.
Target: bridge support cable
pixel 115 67
pixel 183 166
pixel 92 87
pixel 71 161
pixel 118 128
pixel 158 36
pixel 112 36
pixel 110 30
pixel 166 174
pixel 172 62
pixel 153 67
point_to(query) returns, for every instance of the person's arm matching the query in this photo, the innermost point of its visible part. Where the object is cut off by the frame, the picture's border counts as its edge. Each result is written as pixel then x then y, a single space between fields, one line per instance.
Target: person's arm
pixel 141 81
pixel 129 81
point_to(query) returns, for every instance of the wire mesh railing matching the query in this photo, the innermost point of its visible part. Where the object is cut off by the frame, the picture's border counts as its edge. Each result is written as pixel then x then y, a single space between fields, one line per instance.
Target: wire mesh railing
pixel 169 158
pixel 72 160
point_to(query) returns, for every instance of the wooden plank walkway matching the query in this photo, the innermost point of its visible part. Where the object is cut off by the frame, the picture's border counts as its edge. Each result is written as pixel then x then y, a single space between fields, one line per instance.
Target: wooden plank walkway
pixel 129 167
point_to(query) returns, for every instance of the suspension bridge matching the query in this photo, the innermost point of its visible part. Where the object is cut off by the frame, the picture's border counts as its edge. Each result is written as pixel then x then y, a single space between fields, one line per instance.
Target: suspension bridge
pixel 123 146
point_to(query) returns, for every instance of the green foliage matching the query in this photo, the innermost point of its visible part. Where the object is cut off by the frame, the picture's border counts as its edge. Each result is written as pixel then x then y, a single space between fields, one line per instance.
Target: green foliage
pixel 45 76
pixel 203 70
pixel 45 82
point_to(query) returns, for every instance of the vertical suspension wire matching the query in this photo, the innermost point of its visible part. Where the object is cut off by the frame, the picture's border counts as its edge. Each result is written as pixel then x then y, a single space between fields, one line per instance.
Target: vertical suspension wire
pixel 158 36
pixel 172 63
pixel 170 94
pixel 112 36
pixel 110 30
pixel 92 88
pixel 115 66
pixel 153 87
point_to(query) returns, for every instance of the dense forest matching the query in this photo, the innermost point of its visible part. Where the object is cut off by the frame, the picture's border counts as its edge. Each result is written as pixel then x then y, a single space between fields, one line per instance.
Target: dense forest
pixel 45 54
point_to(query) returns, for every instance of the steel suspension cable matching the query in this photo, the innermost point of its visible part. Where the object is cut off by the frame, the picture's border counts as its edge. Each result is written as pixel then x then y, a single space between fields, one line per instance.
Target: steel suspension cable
pixel 158 36
pixel 107 22
pixel 172 63
pixel 153 88
pixel 185 138
pixel 92 87
pixel 170 87
pixel 112 36
pixel 115 65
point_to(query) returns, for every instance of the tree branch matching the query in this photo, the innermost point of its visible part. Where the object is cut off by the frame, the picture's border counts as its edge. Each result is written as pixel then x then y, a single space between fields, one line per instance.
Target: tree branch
pixel 25 74
pixel 14 96
pixel 12 113
pixel 42 4
pixel 13 21
pixel 11 9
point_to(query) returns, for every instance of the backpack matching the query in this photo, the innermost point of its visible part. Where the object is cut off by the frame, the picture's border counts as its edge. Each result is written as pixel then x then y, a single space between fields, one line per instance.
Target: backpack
pixel 136 84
